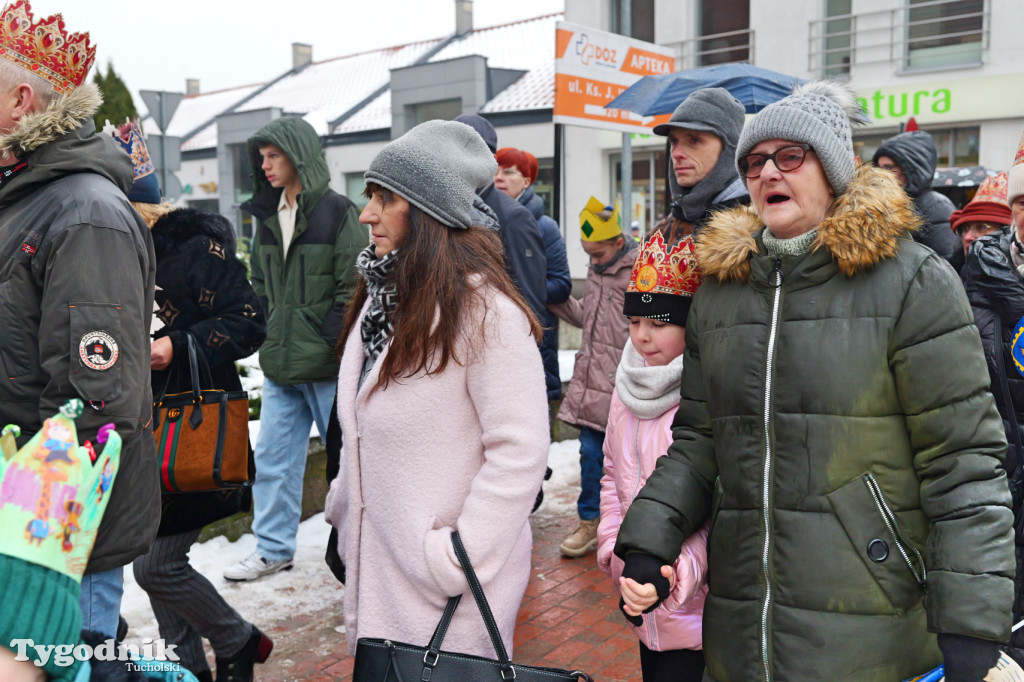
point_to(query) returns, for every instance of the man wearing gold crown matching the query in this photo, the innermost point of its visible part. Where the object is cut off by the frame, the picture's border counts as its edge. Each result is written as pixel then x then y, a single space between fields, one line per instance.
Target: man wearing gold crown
pixel 76 281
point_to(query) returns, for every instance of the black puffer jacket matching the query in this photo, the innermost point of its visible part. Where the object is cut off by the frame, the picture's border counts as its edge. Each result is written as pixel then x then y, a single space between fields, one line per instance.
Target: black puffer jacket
pixel 202 290
pixel 915 154
pixel 996 292
pixel 76 274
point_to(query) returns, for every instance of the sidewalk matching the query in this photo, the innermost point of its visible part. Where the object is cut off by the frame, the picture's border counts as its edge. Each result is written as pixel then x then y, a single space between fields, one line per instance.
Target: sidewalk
pixel 569 619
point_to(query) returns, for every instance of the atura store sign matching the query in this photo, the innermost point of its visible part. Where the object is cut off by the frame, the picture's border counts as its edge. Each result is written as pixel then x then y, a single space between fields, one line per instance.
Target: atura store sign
pixel 946 101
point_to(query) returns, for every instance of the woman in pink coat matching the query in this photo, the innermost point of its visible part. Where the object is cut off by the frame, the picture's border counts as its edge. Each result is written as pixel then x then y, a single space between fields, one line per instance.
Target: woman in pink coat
pixel 441 401
pixel 644 402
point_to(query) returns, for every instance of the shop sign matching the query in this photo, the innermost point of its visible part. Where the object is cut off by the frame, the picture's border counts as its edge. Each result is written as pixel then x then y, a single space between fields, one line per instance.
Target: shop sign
pixel 593 67
pixel 945 101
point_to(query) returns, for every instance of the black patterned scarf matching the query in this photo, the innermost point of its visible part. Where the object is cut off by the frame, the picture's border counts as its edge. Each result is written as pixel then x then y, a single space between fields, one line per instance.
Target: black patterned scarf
pixel 375 328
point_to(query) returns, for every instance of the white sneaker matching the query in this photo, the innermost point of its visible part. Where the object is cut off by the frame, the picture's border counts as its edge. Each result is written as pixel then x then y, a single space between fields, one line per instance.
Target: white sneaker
pixel 255 566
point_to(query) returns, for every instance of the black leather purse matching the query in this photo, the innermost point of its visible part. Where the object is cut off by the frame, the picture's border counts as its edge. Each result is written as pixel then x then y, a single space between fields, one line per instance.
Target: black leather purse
pixel 382 660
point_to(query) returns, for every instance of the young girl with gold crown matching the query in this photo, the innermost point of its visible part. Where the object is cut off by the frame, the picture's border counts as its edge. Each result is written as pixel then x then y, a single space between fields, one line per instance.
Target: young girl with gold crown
pixel 646 397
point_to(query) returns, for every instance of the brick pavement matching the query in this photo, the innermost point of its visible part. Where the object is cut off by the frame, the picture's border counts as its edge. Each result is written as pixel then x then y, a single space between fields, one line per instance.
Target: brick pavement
pixel 568 619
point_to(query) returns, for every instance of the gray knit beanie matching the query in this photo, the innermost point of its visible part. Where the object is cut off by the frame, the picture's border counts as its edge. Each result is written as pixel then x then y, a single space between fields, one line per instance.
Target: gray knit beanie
pixel 437 166
pixel 713 110
pixel 818 113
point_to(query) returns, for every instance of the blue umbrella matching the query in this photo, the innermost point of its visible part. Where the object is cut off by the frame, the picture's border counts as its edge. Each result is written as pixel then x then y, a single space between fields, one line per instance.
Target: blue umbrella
pixel 753 86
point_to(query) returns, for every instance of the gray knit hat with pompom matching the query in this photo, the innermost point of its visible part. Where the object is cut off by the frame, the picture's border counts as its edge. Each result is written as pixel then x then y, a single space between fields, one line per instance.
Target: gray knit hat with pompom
pixel 437 167
pixel 818 113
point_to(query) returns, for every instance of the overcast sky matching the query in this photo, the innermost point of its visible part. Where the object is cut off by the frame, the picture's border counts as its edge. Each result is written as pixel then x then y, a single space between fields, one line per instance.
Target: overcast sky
pixel 157 45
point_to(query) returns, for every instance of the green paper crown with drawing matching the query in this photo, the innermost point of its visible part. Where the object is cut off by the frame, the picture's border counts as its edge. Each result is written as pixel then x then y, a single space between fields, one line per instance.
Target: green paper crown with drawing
pixel 53 492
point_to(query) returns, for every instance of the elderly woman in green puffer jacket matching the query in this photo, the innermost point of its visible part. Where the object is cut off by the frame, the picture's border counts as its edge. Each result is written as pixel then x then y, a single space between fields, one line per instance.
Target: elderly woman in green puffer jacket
pixel 836 424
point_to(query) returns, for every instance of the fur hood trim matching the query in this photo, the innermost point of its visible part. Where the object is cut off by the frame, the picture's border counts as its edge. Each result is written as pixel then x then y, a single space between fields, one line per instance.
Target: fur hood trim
pixel 865 226
pixel 64 114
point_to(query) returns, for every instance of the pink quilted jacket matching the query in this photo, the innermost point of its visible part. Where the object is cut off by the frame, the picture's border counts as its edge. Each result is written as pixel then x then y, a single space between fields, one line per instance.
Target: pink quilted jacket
pixel 631 448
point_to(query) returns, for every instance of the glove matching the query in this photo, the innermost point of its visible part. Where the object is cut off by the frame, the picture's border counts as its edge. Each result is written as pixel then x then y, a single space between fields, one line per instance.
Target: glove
pixel 644 568
pixel 967 659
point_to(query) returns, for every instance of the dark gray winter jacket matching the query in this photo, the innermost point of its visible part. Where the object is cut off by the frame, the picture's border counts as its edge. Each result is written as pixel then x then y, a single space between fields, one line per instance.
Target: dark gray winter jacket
pixel 915 154
pixel 76 299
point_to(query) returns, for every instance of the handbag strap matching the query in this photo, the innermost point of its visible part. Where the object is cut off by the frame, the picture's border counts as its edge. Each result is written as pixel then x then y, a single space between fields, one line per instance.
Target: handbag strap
pixel 481 602
pixel 430 658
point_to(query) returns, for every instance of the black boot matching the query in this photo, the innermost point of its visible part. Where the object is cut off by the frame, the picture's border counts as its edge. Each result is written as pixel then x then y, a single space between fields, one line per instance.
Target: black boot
pixel 239 668
pixel 122 628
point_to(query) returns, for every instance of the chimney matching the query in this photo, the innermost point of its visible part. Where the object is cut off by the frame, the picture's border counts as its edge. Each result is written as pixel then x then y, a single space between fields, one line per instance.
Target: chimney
pixel 191 86
pixel 463 17
pixel 302 54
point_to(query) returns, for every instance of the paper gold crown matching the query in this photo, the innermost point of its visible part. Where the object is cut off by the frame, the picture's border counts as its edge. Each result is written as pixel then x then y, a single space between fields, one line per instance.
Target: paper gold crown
pixel 44 48
pixel 53 494
pixel 593 228
pixel 663 281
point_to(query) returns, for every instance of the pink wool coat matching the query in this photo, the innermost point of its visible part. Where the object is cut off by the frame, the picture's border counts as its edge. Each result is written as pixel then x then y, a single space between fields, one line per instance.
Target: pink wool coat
pixel 632 446
pixel 605 331
pixel 464 449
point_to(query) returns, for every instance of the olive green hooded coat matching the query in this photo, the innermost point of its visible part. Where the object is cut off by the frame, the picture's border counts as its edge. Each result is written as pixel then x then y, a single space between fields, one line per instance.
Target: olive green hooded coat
pixel 305 293
pixel 835 420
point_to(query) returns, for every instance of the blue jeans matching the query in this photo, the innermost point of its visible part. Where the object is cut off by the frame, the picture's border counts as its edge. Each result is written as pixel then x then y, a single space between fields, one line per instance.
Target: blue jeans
pixel 286 416
pixel 101 601
pixel 588 506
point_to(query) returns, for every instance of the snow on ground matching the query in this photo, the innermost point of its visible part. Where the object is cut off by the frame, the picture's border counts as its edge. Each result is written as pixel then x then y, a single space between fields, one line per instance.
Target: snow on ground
pixel 310 586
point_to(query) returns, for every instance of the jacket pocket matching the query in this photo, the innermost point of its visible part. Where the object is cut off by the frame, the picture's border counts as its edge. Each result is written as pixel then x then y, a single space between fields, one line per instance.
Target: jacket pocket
pixel 95 350
pixel 874 531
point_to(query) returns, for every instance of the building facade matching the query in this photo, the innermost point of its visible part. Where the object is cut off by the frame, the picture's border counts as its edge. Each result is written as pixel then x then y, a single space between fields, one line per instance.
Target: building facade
pixel 956 66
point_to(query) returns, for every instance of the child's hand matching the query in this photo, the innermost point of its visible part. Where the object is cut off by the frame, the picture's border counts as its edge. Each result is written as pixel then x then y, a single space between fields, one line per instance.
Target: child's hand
pixel 638 598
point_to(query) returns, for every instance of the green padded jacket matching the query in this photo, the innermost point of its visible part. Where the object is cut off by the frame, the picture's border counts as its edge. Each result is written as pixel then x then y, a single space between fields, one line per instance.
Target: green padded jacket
pixel 836 422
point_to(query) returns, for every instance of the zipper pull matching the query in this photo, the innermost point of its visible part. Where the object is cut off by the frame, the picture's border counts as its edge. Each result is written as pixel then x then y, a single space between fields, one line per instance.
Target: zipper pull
pixel 777 271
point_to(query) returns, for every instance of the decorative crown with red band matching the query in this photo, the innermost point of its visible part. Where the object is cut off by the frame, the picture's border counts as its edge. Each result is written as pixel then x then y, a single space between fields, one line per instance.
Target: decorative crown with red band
pixel 44 48
pixel 663 281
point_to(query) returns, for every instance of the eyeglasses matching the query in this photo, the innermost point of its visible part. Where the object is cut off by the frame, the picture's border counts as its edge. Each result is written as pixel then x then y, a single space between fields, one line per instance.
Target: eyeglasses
pixel 980 229
pixel 510 171
pixel 785 159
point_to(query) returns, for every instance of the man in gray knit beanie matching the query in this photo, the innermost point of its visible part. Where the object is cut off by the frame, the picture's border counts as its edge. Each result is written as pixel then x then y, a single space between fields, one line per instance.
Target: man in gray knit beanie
pixel 818 114
pixel 437 167
pixel 702 135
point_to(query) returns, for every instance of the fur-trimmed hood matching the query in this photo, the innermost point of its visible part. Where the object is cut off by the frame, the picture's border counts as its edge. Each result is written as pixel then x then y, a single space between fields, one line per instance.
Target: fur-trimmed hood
pixel 64 114
pixel 62 140
pixel 865 226
pixel 180 225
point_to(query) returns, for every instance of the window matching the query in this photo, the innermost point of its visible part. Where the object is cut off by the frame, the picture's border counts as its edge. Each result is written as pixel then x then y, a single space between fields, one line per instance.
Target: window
pixel 649 169
pixel 641 13
pixel 725 31
pixel 838 37
pixel 942 33
pixel 445 109
pixel 241 166
pixel 957 147
pixel 354 186
pixel 544 187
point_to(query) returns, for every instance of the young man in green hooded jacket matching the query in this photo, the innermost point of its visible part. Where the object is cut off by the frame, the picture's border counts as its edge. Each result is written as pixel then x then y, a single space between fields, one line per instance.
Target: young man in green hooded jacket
pixel 303 260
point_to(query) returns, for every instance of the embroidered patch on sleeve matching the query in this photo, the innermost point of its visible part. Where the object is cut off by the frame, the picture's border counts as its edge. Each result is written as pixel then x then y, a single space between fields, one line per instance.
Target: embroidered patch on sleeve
pixel 98 350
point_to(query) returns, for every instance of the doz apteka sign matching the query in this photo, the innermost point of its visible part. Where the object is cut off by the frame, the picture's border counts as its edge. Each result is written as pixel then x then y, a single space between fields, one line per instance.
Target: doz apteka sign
pixel 592 67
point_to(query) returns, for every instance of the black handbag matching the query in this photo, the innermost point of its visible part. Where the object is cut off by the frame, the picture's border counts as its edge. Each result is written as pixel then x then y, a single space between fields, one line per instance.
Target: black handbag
pixel 382 660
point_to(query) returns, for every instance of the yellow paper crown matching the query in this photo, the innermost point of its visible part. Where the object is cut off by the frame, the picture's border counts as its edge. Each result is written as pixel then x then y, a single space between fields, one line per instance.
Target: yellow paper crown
pixel 593 228
pixel 52 494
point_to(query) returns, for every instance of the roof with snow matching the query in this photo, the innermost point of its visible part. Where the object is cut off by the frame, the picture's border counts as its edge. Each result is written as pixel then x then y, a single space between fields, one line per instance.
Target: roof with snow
pixel 354 91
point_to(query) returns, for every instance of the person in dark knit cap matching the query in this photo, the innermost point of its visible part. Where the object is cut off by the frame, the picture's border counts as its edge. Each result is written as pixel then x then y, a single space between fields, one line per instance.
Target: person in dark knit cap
pixel 702 135
pixel 835 427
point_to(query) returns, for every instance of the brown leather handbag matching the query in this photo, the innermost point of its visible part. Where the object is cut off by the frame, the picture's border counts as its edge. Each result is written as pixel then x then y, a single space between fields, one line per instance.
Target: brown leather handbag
pixel 202 436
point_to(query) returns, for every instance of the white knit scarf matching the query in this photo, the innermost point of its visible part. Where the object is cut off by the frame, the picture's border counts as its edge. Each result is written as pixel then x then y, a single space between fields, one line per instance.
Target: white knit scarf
pixel 647 391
